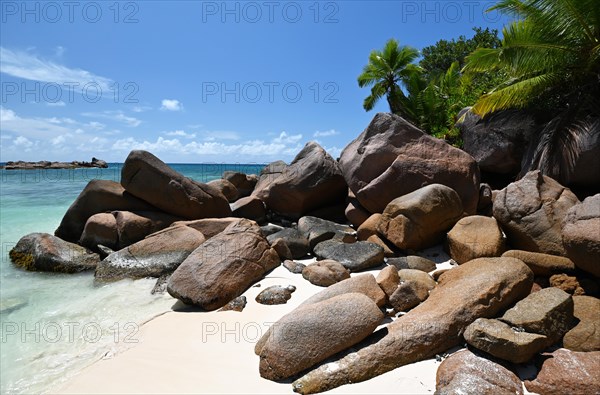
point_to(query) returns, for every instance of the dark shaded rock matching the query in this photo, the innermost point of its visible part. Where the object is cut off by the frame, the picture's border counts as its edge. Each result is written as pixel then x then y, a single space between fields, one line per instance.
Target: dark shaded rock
pixel 147 177
pixel 223 267
pixel 334 213
pixel 547 312
pixel 295 240
pixel 531 211
pixel 244 183
pixel 421 218
pixel 585 336
pixel 98 196
pixel 485 205
pixel 354 256
pixel 543 264
pixel 317 230
pixel 293 266
pixel 500 340
pixel 412 262
pixel 557 375
pixel 269 229
pixel 46 253
pixel 475 237
pixel 325 273
pixel 355 213
pixel 408 294
pixel 250 207
pixel 466 373
pixel 158 254
pixel 226 188
pixel 581 234
pixel 236 304
pixel 314 332
pixel 275 294
pixel 392 158
pixel 482 287
pixel 498 142
pixel 313 180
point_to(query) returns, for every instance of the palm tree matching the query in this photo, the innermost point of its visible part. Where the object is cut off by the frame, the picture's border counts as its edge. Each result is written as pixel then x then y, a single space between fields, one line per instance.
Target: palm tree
pixel 551 57
pixel 388 71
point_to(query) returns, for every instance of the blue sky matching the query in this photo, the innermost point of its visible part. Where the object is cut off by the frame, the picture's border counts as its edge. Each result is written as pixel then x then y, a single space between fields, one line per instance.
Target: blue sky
pixel 200 81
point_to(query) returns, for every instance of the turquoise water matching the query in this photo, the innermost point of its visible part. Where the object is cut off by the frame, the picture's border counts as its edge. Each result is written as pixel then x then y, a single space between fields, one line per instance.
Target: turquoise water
pixel 53 325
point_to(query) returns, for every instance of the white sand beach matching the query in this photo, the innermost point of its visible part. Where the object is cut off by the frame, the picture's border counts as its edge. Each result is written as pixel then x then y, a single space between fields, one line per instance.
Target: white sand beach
pixel 192 352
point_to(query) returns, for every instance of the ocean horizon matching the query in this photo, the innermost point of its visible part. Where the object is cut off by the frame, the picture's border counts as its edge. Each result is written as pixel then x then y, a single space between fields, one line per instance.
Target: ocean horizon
pixel 53 325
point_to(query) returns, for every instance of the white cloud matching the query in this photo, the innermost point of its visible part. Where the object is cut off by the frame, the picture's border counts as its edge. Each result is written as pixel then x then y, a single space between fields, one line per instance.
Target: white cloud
pixel 31 67
pixel 118 116
pixel 220 135
pixel 141 108
pixel 22 142
pixel 283 138
pixel 181 133
pixel 171 105
pixel 326 133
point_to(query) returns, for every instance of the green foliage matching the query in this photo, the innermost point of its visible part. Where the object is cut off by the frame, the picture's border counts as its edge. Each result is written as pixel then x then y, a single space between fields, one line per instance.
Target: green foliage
pixel 438 58
pixel 550 62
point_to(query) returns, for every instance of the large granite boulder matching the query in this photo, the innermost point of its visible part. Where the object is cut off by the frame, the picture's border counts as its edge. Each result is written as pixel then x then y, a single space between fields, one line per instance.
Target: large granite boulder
pixel 325 273
pixel 244 183
pixel 98 196
pixel 313 180
pixel 226 188
pixel 392 158
pixel 156 255
pixel 498 142
pixel 148 178
pixel 421 218
pixel 250 207
pixel 567 372
pixel 480 288
pixel 120 229
pixel 473 237
pixel 317 230
pixel 46 253
pixel 223 267
pixel 531 211
pixel 364 284
pixel 312 333
pixel 581 234
pixel 466 373
pixel 209 227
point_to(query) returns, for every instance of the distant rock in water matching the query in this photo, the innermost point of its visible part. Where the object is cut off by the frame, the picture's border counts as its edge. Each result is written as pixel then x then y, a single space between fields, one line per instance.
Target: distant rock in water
pixel 44 164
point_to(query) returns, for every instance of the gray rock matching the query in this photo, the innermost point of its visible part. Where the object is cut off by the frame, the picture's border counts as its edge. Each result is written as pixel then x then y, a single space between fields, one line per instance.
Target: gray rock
pixel 581 235
pixel 408 294
pixel 473 237
pixel 354 256
pixel 317 230
pixel 293 266
pixel 275 294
